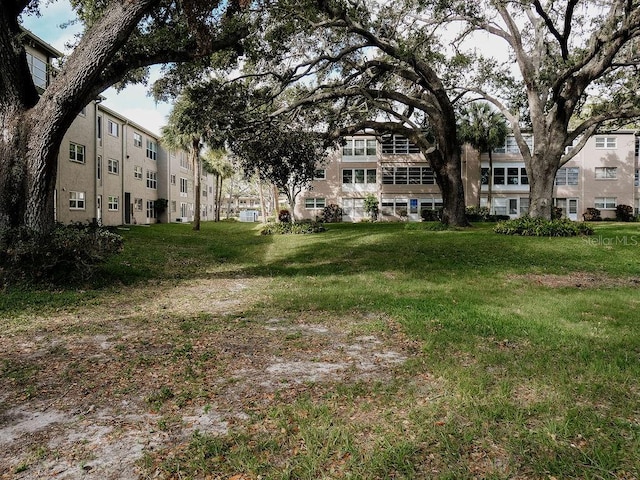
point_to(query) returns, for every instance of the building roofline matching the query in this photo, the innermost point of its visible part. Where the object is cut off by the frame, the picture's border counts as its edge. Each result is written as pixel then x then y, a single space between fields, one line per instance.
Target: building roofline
pixel 42 44
pixel 127 121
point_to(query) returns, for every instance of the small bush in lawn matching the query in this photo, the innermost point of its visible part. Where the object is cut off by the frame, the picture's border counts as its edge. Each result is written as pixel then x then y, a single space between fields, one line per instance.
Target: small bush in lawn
pixel 540 227
pixel 592 215
pixel 68 254
pixel 624 213
pixel 431 215
pixel 298 228
pixel 332 213
pixel 477 214
pixel 284 216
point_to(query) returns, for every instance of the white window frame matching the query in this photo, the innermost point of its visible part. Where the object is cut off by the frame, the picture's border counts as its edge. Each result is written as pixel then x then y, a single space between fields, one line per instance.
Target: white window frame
pixel 113 203
pixel 173 179
pixel 137 204
pixel 152 149
pixel 314 203
pixel 137 172
pixel 606 173
pixel 137 139
pixel 320 174
pixel 567 176
pixel 606 143
pixel 184 187
pixel 113 128
pixel 38 69
pixel 113 166
pixel 151 209
pixel 77 153
pixel 77 200
pixel 152 180
pixel 605 203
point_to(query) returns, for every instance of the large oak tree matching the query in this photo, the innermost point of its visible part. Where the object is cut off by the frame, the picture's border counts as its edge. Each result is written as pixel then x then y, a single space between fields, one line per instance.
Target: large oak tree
pixel 576 72
pixel 120 40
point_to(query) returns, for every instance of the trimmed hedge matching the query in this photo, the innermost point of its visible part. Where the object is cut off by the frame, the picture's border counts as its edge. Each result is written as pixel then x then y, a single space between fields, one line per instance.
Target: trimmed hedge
pixel 539 227
pixel 297 228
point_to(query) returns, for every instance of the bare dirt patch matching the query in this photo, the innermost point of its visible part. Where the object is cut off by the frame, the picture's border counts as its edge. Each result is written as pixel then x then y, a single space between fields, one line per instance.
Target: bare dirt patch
pixel 88 393
pixel 577 280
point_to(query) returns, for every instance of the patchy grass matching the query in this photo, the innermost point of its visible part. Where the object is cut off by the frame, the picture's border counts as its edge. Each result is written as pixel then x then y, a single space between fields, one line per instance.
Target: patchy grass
pixel 367 351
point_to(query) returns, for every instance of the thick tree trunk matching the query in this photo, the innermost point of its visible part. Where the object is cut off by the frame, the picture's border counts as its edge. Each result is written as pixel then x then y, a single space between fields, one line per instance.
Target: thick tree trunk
pixel 449 179
pixel 542 174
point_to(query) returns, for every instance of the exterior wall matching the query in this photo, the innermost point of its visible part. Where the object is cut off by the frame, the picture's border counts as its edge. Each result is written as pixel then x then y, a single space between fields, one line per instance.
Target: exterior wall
pixel 77 177
pixel 607 175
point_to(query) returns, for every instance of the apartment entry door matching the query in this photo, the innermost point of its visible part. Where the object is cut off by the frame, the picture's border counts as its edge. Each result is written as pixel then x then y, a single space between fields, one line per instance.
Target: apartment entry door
pixel 569 207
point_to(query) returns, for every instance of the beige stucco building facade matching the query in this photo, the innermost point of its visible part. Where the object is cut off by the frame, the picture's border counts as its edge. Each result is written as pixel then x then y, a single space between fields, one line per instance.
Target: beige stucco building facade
pixel 602 175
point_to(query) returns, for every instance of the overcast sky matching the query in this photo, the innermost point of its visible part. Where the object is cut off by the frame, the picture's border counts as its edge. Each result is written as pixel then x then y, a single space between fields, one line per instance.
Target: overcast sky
pixel 133 102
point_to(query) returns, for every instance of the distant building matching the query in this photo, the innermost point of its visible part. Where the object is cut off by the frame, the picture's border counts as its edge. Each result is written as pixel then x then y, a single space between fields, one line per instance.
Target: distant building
pixel 602 175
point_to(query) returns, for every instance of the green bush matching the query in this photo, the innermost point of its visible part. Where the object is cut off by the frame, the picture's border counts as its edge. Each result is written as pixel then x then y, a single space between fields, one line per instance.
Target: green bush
pixel 69 254
pixel 332 213
pixel 624 213
pixel 477 214
pixel 592 215
pixel 539 227
pixel 297 228
pixel 431 215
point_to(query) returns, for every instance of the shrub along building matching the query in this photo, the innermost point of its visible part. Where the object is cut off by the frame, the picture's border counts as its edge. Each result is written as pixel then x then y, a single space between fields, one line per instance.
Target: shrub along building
pixel 603 175
pixel 115 171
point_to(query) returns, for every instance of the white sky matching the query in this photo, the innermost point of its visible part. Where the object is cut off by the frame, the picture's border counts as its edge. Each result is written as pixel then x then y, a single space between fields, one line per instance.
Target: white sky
pixel 133 102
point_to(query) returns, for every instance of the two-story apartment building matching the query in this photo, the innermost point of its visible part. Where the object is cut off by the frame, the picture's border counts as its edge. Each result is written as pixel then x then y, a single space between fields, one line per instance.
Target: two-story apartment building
pixel 603 174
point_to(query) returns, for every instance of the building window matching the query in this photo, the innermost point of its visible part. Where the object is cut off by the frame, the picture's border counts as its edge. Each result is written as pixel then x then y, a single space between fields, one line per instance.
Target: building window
pixel 511 145
pixel 99 129
pixel 174 205
pixel 320 174
pixel 152 179
pixel 173 179
pixel 113 166
pixel 636 180
pixel 397 145
pixel 605 203
pixel 38 70
pixel 137 204
pixel 407 175
pixel 498 176
pixel 76 201
pixel 113 128
pixel 359 175
pixel 184 187
pixel 606 142
pixel 112 203
pixel 137 140
pixel 524 205
pixel 151 209
pixel 76 152
pixel 359 147
pixel 312 203
pixel 99 167
pixel 606 173
pixel 137 172
pixel 184 162
pixel 567 176
pixel 152 150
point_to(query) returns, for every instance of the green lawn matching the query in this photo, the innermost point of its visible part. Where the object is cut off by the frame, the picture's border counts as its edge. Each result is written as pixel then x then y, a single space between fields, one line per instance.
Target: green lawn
pixel 525 351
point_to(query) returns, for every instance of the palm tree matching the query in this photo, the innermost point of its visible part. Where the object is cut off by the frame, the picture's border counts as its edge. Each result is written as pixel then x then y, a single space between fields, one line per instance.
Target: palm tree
pixel 215 162
pixel 182 133
pixel 484 129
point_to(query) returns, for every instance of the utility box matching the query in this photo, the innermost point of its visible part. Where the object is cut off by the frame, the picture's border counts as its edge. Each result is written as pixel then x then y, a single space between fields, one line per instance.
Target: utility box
pixel 249 216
